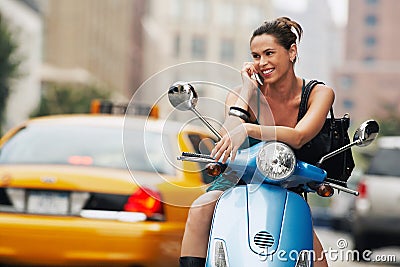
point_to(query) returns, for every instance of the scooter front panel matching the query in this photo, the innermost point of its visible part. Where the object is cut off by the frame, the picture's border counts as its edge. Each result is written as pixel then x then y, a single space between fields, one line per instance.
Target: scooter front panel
pixel 261 225
pixel 296 233
pixel 265 205
pixel 230 224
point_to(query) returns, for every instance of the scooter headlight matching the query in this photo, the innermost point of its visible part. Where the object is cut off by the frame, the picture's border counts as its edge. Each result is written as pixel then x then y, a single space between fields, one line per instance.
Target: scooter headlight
pixel 276 160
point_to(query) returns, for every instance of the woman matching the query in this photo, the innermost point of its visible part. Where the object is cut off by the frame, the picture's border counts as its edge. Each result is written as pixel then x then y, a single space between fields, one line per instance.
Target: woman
pixel 274 50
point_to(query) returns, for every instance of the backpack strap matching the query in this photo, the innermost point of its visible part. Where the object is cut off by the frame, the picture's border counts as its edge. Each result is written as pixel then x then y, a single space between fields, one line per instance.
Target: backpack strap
pixel 304 99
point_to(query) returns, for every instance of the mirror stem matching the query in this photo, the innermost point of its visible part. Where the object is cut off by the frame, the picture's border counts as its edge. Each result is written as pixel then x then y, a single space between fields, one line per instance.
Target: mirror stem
pixel 212 129
pixel 334 153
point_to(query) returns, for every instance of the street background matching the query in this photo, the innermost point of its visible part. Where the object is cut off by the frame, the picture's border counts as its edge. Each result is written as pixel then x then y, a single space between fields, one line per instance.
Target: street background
pixel 108 49
pixel 62 54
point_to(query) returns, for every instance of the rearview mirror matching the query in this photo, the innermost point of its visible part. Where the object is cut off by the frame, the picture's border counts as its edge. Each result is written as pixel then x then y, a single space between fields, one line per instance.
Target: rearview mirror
pixel 366 133
pixel 182 96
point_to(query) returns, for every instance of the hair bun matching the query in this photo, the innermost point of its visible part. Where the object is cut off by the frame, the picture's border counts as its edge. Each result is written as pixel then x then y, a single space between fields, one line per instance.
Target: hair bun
pixel 292 25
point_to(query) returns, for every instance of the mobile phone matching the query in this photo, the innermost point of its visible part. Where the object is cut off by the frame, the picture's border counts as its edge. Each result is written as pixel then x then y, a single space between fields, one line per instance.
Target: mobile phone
pixel 258 78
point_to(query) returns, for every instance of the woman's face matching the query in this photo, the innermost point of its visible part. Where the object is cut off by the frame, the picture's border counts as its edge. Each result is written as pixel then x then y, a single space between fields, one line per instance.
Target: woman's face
pixel 271 59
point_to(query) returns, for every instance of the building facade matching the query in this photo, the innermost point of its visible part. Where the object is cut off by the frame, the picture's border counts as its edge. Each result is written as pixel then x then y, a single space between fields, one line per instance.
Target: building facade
pixel 320 48
pixel 103 37
pixel 368 81
pixel 123 43
pixel 198 40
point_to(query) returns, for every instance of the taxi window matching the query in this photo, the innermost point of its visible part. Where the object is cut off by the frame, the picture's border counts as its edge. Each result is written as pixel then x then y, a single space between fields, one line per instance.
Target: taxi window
pixel 86 146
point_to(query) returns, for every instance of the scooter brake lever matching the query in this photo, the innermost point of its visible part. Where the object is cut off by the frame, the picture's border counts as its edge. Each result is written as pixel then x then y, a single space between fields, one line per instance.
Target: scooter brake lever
pixel 194 157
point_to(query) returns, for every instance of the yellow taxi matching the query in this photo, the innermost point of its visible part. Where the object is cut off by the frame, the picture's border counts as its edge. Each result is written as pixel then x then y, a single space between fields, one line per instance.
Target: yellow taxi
pixel 97 190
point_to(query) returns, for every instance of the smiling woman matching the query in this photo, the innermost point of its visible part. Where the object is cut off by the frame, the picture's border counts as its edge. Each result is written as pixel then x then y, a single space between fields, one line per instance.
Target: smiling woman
pixel 264 108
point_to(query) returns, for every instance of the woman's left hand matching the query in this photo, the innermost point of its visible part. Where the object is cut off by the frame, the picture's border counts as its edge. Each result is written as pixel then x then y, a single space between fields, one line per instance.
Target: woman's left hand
pixel 230 143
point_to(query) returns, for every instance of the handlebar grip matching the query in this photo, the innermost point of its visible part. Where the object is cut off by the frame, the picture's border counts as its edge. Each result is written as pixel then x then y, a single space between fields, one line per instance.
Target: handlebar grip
pixel 344 189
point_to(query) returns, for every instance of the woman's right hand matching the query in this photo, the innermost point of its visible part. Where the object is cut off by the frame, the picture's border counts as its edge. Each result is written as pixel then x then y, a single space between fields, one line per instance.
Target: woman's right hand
pixel 248 72
pixel 230 143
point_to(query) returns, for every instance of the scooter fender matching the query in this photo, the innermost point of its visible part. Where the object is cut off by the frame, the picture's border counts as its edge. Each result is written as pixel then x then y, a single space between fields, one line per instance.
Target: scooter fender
pixel 260 225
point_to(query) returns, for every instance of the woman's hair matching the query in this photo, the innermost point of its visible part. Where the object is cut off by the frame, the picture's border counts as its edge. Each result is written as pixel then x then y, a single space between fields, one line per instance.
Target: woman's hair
pixel 285 30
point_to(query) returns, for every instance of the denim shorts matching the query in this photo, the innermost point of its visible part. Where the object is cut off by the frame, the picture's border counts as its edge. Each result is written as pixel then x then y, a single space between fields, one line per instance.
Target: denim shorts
pixel 222 183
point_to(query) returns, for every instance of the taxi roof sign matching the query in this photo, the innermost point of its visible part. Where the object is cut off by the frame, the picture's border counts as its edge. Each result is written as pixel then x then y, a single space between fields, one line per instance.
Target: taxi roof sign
pixel 108 107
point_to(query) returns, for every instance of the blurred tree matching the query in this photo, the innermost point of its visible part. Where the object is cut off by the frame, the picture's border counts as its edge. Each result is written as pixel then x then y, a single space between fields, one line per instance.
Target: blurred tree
pixel 8 66
pixel 68 99
pixel 390 123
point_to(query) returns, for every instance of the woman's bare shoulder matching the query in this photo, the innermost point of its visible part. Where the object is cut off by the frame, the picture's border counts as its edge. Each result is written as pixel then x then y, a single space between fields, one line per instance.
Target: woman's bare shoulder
pixel 322 89
pixel 322 95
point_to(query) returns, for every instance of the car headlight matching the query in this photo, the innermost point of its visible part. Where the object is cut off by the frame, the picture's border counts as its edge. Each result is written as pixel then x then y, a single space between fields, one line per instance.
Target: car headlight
pixel 276 160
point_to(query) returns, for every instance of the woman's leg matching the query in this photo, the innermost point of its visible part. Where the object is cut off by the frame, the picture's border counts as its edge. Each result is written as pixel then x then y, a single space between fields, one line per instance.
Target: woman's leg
pixel 195 238
pixel 320 260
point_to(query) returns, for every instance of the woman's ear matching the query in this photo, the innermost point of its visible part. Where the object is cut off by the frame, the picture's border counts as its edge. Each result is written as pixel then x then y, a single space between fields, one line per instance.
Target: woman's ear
pixel 293 52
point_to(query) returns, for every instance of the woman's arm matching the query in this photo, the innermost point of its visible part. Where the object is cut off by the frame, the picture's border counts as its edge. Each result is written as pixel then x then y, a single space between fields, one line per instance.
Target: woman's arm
pixel 320 101
pixel 240 97
pixel 235 98
pixel 233 127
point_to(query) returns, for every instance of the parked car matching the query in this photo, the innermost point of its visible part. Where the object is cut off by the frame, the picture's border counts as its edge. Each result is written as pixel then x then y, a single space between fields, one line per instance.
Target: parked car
pixel 377 209
pixel 67 196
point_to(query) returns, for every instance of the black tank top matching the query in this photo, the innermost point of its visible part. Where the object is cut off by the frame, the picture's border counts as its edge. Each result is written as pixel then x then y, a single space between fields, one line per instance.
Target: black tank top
pixel 252 141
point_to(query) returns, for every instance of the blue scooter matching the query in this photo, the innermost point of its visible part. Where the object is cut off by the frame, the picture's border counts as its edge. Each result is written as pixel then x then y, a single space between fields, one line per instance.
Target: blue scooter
pixel 260 222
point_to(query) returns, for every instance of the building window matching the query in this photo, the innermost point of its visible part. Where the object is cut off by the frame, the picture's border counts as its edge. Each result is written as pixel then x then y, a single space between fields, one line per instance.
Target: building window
pixel 198 48
pixel 227 50
pixel 348 104
pixel 177 45
pixel 371 20
pixel 371 2
pixel 370 41
pixel 369 59
pixel 346 82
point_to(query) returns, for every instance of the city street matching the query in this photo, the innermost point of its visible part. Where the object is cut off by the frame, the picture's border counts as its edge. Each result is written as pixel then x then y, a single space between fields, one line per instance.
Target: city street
pixel 339 246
